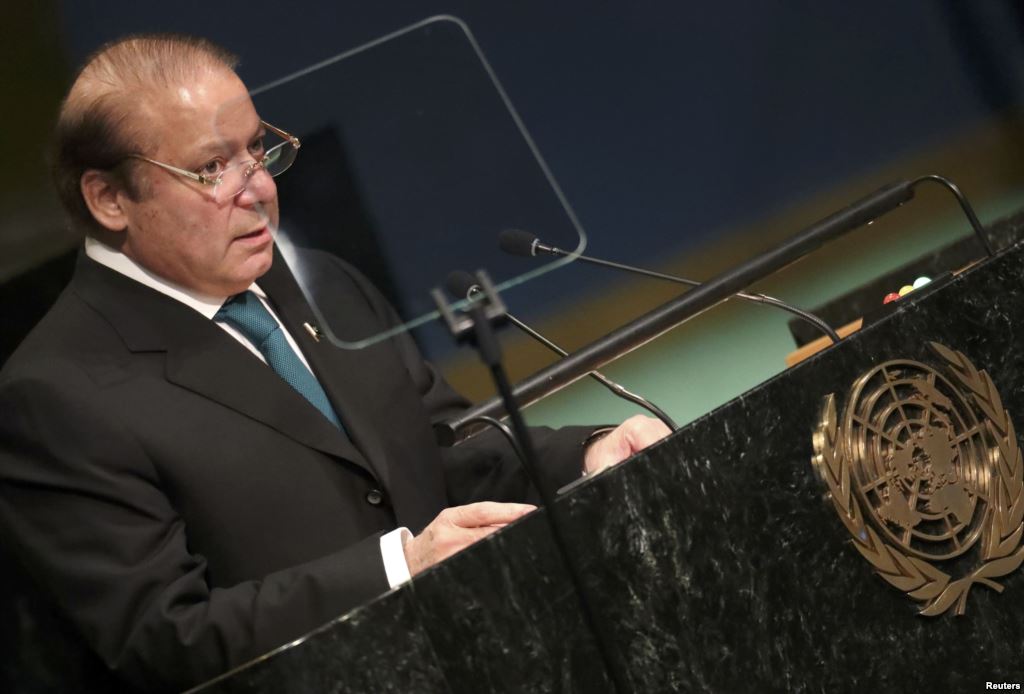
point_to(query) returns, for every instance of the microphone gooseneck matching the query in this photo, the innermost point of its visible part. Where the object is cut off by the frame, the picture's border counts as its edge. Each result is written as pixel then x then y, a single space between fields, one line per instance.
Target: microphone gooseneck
pixel 661 319
pixel 524 244
pixel 462 284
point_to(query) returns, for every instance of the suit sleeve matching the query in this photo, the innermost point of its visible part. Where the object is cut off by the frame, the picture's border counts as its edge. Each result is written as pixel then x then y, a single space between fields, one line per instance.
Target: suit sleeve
pixel 83 508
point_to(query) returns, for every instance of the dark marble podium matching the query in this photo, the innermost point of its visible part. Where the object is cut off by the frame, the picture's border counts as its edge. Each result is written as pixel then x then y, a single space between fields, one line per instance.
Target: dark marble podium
pixel 712 560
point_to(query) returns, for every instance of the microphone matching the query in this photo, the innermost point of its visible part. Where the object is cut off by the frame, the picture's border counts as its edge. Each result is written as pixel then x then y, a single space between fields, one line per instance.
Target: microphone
pixel 661 319
pixel 523 243
pixel 462 284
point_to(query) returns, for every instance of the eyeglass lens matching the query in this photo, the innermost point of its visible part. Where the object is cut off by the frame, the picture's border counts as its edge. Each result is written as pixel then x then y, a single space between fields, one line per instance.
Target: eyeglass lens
pixel 275 161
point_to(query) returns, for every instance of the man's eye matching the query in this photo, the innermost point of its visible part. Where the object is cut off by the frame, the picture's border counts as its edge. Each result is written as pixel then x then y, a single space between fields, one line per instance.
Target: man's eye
pixel 211 169
pixel 256 146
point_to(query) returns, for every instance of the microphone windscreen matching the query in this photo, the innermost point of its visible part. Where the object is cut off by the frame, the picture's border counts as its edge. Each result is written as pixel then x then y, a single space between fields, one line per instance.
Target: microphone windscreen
pixel 459 282
pixel 517 242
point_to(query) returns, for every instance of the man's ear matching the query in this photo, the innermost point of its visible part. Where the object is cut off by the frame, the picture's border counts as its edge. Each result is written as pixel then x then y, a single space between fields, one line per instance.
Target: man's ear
pixel 103 198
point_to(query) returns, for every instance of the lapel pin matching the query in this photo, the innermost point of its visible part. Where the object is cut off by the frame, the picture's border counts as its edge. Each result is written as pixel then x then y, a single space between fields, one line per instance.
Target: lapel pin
pixel 313 331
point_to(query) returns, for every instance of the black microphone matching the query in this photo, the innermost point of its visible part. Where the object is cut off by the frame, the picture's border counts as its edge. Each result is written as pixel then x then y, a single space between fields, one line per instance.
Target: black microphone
pixel 462 284
pixel 661 319
pixel 523 243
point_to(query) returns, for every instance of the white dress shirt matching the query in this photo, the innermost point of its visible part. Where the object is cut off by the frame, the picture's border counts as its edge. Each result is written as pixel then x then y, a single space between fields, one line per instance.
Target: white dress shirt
pixel 392 543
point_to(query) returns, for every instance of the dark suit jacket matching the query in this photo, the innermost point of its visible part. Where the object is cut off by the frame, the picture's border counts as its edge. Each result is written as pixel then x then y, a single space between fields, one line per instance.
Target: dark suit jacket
pixel 186 507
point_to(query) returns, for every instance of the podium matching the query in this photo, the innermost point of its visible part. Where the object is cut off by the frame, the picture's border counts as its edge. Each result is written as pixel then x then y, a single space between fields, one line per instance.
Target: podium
pixel 714 561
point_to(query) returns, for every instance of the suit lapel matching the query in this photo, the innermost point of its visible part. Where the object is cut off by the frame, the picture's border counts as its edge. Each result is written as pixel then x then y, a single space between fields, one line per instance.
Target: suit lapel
pixel 204 359
pixel 347 375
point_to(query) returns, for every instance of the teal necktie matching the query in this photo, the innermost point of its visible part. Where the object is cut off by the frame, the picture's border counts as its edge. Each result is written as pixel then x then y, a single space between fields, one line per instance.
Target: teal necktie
pixel 246 313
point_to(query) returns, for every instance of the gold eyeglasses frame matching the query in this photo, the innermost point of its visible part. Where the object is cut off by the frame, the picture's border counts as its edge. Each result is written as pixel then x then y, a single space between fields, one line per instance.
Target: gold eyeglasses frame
pixel 252 167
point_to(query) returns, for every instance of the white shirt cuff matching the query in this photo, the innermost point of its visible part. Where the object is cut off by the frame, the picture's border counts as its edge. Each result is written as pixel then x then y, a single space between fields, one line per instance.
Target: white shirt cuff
pixel 393 554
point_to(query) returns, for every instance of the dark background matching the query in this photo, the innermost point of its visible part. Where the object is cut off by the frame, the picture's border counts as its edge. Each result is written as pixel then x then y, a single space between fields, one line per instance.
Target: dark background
pixel 685 135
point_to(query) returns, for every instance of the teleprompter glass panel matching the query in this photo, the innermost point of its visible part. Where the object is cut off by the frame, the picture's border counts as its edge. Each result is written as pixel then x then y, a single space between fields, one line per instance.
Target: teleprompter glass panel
pixel 412 161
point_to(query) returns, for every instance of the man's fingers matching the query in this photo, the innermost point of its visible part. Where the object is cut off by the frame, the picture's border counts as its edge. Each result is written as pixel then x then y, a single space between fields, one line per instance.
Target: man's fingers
pixel 643 431
pixel 474 534
pixel 487 513
pixel 443 538
pixel 632 436
pixel 460 526
pixel 608 451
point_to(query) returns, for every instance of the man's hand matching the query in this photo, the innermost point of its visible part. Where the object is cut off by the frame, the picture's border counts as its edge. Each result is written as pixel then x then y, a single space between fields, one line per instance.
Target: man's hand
pixel 456 528
pixel 633 435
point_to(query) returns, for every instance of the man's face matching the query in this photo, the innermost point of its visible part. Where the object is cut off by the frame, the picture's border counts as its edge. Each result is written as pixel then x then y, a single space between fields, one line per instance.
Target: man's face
pixel 175 228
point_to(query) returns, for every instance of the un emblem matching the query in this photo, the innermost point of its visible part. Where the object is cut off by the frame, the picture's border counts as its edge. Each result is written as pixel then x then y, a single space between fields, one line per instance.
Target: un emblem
pixel 924 470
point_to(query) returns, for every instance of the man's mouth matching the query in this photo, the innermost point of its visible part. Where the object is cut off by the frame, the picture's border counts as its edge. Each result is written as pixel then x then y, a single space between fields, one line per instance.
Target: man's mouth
pixel 258 234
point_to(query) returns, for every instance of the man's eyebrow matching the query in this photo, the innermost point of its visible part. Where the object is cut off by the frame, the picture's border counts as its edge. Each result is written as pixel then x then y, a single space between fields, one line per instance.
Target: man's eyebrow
pixel 211 146
pixel 217 145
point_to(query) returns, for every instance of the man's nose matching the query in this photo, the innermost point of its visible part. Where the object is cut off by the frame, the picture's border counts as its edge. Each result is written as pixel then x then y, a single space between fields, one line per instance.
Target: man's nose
pixel 260 187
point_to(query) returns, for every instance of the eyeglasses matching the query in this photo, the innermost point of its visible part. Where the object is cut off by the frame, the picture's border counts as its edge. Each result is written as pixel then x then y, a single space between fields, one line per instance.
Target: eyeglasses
pixel 233 179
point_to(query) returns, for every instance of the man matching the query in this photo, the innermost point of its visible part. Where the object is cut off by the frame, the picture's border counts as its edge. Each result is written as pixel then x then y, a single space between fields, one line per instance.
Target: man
pixel 190 493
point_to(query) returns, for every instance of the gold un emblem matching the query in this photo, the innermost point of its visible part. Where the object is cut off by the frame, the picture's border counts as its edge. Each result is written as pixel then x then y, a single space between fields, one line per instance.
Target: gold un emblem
pixel 925 473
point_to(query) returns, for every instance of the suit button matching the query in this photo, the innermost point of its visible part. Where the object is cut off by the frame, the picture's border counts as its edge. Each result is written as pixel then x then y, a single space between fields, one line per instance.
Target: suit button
pixel 374 497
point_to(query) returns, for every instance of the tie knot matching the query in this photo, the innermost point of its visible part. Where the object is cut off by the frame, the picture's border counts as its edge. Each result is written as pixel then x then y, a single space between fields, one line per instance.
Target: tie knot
pixel 247 314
